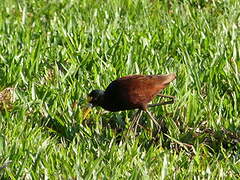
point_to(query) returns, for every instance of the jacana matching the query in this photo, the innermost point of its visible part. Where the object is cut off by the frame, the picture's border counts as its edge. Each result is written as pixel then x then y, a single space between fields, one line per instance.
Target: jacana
pixel 132 92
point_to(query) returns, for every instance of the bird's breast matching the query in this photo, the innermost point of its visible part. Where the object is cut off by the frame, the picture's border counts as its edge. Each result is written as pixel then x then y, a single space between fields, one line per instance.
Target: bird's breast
pixel 115 103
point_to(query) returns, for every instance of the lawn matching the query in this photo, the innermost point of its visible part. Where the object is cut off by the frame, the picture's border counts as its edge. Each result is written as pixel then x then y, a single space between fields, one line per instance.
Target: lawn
pixel 53 53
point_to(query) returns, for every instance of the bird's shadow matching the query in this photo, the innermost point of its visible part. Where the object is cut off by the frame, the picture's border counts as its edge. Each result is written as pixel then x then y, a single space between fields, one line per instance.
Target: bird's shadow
pixel 115 126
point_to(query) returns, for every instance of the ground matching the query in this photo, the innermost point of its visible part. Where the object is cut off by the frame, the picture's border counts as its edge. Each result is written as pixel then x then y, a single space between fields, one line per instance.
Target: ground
pixel 53 53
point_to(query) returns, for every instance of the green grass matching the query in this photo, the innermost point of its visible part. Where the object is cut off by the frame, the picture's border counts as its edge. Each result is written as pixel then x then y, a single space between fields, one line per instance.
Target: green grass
pixel 53 53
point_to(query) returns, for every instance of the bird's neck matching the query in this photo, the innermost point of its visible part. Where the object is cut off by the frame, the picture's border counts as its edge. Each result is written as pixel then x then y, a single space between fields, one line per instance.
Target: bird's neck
pixel 102 100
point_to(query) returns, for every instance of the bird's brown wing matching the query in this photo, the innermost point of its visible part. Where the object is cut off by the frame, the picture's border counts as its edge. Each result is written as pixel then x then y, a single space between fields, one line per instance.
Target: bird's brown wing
pixel 138 90
pixel 152 79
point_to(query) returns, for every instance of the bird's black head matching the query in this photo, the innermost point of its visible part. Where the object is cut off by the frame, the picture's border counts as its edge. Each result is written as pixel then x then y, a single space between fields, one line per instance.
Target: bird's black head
pixel 96 97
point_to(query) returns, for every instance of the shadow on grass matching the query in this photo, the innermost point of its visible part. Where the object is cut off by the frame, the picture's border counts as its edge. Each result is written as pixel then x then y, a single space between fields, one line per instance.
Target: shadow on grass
pixel 214 141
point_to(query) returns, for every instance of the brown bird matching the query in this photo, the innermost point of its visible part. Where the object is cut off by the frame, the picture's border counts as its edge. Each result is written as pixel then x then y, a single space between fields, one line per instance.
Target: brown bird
pixel 132 92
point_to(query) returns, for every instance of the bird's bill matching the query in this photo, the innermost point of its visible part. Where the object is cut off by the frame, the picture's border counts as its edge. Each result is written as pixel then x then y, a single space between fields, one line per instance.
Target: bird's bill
pixel 87 109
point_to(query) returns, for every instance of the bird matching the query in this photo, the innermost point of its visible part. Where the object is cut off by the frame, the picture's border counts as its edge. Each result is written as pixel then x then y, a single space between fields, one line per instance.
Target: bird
pixel 132 92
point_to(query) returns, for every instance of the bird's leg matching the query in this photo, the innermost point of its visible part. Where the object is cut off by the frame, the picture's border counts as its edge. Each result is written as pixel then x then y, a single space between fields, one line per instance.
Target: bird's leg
pixel 166 96
pixel 163 103
pixel 153 120
pixel 135 120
